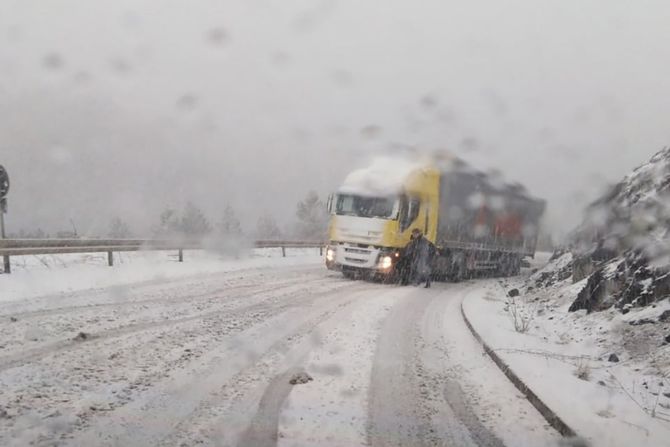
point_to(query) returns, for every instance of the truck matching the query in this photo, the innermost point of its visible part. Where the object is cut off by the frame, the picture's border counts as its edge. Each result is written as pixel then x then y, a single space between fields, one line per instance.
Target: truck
pixel 478 222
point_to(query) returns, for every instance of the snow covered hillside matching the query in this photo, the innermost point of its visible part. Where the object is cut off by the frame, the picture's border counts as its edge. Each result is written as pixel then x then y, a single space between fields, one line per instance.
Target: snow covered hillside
pixel 603 303
pixel 623 246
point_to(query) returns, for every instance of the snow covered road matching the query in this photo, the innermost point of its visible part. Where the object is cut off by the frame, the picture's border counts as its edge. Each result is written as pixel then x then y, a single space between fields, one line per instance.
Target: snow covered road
pixel 210 360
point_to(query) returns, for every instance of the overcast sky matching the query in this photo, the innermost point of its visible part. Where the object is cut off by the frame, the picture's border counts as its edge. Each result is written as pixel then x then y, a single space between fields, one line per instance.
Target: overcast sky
pixel 121 108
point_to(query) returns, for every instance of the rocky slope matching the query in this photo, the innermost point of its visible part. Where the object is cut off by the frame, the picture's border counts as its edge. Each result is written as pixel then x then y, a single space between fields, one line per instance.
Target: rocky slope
pixel 623 245
pixel 609 288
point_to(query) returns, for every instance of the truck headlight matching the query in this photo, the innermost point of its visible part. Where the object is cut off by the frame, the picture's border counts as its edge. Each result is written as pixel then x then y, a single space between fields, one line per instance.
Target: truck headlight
pixel 386 262
pixel 330 254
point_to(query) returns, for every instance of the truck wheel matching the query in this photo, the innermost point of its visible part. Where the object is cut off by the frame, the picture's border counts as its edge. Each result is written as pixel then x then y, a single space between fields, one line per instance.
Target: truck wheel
pixel 349 274
pixel 511 266
pixel 459 270
pixel 503 267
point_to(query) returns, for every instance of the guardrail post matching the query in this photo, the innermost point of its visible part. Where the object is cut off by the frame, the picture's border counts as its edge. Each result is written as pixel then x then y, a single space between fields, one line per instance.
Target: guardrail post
pixel 110 258
pixel 181 255
pixel 7 265
pixel 320 250
pixel 283 252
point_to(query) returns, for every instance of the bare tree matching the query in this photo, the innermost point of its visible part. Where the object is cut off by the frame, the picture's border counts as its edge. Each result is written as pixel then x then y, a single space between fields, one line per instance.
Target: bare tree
pixel 118 229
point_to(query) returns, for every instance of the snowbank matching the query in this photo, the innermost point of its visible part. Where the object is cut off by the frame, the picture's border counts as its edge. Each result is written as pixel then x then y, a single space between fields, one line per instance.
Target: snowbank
pixel 34 276
pixel 585 367
pixel 597 346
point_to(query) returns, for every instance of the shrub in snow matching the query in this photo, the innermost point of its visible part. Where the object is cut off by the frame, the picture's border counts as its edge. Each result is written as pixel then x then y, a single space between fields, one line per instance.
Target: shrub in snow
pixel 521 312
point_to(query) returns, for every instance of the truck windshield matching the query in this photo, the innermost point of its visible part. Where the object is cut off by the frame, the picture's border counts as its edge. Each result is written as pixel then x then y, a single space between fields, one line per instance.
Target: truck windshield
pixel 362 206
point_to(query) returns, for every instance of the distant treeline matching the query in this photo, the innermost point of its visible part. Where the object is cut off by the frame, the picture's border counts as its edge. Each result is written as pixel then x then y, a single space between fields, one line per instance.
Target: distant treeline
pixel 191 222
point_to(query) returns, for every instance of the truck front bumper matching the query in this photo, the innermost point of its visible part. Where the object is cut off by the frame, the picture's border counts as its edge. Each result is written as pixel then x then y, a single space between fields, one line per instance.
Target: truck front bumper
pixel 345 256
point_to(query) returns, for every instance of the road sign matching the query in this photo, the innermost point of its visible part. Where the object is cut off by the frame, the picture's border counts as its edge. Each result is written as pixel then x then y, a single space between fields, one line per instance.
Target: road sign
pixel 4 182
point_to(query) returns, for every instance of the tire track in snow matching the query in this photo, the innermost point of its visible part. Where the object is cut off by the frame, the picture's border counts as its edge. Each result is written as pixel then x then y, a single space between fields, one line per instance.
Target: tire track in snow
pixel 152 417
pixel 223 418
pixel 263 429
pixel 395 415
pixel 451 417
pixel 60 326
pixel 228 417
pixel 412 401
pixel 470 399
pixel 138 289
pixel 453 393
pixel 332 409
pixel 58 347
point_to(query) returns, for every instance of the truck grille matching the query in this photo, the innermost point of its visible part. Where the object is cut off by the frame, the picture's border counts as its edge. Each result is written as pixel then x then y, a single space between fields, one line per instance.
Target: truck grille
pixel 359 251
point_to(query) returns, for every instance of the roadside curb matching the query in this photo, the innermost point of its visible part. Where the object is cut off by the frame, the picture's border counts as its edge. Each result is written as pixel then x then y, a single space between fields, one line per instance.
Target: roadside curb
pixel 552 418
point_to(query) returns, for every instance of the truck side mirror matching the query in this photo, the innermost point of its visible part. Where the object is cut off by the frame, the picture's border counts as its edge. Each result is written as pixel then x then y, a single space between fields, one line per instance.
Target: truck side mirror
pixel 329 204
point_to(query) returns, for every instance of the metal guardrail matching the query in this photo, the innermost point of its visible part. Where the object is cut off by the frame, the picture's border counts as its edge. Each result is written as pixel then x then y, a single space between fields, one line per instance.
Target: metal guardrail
pixel 24 247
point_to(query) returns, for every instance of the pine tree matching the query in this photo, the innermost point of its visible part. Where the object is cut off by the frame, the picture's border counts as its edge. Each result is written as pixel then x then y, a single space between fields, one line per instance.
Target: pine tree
pixel 118 229
pixel 230 224
pixel 313 217
pixel 193 222
pixel 267 228
pixel 169 225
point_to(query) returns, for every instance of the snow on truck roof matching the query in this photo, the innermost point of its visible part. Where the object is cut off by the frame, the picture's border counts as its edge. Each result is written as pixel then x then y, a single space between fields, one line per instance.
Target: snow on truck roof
pixel 387 175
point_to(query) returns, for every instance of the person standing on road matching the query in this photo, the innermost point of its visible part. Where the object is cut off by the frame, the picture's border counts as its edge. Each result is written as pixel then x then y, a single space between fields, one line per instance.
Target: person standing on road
pixel 420 253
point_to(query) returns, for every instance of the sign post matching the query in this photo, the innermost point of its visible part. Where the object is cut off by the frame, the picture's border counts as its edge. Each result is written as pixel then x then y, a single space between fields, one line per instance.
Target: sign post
pixel 4 189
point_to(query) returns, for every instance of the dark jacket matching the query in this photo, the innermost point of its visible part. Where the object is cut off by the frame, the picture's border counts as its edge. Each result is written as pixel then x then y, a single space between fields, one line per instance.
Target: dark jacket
pixel 420 253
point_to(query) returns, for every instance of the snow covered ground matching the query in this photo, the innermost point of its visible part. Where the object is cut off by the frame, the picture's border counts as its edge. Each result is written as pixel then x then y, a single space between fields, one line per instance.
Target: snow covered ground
pixel 262 351
pixel 565 359
pixel 51 274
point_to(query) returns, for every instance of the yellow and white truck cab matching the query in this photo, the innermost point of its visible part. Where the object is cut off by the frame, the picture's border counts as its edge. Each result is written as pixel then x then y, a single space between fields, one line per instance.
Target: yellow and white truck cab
pixel 373 215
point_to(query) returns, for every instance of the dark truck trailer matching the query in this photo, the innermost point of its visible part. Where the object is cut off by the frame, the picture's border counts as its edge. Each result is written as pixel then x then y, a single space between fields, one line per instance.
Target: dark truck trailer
pixel 484 224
